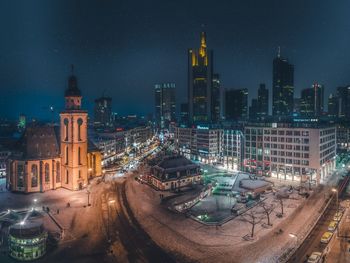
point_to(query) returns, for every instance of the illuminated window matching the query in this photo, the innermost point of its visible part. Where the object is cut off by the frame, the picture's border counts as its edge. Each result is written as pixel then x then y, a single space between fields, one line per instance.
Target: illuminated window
pixel 58 172
pixel 47 173
pixel 66 129
pixel 80 122
pixel 34 174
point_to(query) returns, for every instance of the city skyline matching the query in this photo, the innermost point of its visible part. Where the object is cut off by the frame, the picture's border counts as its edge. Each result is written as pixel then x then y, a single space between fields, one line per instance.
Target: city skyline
pixel 116 61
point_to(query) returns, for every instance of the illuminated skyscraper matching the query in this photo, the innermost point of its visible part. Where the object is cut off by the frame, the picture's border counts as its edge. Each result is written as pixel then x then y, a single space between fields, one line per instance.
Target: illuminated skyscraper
pixel 103 111
pixel 202 95
pixel 165 106
pixel 283 87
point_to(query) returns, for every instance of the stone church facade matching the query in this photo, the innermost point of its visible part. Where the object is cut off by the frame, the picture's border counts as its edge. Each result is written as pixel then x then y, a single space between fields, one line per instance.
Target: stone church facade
pixel 48 157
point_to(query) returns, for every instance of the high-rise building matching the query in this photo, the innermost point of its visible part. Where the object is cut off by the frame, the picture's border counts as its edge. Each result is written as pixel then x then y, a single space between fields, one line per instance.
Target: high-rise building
pixel 283 87
pixel 236 104
pixel 215 99
pixel 318 97
pixel 344 101
pixel 165 106
pixel 253 109
pixel 307 103
pixel 184 116
pixel 103 111
pixel 333 106
pixel 263 102
pixel 202 90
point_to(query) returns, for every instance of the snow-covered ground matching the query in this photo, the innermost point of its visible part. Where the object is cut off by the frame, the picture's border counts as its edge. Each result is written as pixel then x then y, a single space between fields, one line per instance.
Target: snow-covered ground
pixel 185 236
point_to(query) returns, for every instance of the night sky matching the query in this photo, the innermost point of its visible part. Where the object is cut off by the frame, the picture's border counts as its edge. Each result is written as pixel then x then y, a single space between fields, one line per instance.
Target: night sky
pixel 122 48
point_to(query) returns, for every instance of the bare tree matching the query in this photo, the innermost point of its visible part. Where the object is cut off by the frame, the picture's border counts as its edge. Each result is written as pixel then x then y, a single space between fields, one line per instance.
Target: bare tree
pixel 267 210
pixel 280 200
pixel 252 218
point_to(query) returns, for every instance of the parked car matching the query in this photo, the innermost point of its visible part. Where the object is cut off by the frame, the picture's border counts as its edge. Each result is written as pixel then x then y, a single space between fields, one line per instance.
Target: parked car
pixel 332 225
pixel 326 237
pixel 315 257
pixel 337 216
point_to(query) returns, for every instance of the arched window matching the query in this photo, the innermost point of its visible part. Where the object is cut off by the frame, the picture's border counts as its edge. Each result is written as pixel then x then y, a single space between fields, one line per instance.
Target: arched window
pixel 66 155
pixel 58 172
pixel 66 122
pixel 79 155
pixel 34 174
pixel 47 173
pixel 67 177
pixel 80 122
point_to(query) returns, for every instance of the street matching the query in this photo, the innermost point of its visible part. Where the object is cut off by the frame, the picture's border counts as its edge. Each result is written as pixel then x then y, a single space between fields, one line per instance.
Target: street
pixel 89 228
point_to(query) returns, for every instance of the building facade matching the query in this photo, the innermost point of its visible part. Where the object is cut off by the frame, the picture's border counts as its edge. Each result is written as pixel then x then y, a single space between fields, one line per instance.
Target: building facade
pixel 211 145
pixel 165 105
pixel 202 87
pixel 236 104
pixel 103 112
pixel 48 157
pixel 174 173
pixel 283 87
pixel 290 152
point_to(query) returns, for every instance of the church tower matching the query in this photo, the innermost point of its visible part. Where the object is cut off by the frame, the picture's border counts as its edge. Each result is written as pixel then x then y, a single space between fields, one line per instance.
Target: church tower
pixel 73 131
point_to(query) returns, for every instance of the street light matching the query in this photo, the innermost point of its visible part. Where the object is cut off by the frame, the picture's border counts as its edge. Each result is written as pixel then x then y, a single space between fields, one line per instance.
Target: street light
pixel 334 190
pixel 294 236
pixel 88 194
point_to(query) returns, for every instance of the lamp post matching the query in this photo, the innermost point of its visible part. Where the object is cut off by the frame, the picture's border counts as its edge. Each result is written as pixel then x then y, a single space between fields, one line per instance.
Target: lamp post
pixel 334 190
pixel 108 234
pixel 88 195
pixel 34 203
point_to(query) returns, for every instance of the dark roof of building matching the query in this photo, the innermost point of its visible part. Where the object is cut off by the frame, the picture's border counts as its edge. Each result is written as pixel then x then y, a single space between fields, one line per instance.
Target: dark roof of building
pixel 175 163
pixel 27 230
pixel 39 142
pixel 92 147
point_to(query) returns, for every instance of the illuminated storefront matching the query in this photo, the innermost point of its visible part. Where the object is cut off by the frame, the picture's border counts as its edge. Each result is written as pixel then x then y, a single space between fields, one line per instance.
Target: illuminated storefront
pixel 27 240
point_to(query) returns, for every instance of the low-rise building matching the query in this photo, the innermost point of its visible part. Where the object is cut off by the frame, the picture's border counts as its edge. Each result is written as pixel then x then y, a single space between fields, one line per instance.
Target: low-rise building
pixel 27 240
pixel 293 151
pixel 174 173
pixel 4 154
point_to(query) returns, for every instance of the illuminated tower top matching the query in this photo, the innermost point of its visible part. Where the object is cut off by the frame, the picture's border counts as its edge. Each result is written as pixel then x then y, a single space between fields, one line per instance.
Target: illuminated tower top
pixel 72 94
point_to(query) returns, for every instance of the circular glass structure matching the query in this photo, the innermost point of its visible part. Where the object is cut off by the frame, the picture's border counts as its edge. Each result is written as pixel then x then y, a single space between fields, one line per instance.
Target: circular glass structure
pixel 27 240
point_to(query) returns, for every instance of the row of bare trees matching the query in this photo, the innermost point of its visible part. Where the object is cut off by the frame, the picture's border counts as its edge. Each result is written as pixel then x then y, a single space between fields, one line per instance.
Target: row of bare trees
pixel 263 211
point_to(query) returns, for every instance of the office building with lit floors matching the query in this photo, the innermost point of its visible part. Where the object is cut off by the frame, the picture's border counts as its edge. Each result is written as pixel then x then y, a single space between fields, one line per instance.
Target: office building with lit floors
pixel 198 144
pixel 231 153
pixel 211 145
pixel 48 157
pixel 302 152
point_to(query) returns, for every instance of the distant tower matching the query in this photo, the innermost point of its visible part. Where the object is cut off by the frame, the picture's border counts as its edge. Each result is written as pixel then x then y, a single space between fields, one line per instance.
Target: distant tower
pixel 203 92
pixel 282 86
pixel 73 130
